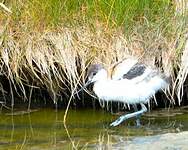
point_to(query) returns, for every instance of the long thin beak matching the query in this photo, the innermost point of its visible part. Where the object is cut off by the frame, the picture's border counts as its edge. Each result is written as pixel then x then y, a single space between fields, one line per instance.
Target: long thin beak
pixel 83 87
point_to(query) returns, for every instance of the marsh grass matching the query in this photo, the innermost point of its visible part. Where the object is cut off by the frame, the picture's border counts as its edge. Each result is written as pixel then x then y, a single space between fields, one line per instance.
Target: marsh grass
pixel 49 45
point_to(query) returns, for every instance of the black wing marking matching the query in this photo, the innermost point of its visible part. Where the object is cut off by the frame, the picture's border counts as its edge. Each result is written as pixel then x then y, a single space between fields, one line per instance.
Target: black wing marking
pixel 135 71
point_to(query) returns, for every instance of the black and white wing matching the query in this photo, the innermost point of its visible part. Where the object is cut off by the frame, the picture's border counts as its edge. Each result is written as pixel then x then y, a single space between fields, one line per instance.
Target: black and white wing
pixel 136 71
pixel 122 68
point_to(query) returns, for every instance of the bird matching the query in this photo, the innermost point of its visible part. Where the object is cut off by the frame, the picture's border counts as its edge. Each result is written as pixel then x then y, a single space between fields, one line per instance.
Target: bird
pixel 129 81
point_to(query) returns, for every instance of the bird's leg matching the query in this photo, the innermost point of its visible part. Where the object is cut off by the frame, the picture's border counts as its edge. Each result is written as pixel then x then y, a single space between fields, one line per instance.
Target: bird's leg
pixel 138 124
pixel 127 116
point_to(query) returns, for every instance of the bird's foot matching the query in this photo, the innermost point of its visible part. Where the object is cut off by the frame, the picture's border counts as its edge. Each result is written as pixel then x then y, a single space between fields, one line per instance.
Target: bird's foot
pixel 138 124
pixel 123 118
pixel 118 121
pixel 127 116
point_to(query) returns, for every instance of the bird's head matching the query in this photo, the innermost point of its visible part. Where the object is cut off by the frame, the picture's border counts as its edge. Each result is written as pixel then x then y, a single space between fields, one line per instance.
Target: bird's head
pixel 95 72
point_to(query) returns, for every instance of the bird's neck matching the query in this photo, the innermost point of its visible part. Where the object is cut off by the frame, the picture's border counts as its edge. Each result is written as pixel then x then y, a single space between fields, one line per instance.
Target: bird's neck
pixel 110 72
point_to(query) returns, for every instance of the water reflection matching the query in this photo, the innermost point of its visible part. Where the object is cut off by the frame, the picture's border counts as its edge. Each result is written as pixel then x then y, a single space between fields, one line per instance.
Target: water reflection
pixel 85 128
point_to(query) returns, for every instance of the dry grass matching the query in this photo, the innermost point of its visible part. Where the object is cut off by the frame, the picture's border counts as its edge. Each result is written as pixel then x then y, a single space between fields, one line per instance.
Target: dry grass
pixel 55 60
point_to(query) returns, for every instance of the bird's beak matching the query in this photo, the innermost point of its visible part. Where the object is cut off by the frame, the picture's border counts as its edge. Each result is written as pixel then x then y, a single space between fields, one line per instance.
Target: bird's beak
pixel 83 87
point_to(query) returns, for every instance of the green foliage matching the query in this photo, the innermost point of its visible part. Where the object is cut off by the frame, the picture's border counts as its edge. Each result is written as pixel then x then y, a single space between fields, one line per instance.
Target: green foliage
pixel 111 13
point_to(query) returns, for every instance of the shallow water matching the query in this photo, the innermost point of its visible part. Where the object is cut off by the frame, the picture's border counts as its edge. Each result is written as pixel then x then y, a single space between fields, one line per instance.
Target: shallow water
pixel 87 129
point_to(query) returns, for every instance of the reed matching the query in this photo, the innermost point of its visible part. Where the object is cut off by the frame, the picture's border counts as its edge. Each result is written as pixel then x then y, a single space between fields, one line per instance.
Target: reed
pixel 48 45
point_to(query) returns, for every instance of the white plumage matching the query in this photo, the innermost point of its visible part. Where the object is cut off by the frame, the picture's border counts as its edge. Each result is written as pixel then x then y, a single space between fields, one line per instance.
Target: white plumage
pixel 127 91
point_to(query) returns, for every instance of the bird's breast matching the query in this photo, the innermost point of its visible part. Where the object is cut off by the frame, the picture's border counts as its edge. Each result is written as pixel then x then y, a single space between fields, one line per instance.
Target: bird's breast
pixel 127 91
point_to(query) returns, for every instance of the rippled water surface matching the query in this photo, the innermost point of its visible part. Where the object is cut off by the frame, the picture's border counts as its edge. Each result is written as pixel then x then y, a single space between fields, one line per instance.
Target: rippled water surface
pixel 85 128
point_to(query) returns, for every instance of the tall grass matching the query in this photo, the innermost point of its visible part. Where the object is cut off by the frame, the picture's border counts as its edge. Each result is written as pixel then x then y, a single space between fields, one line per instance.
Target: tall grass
pixel 49 44
pixel 112 13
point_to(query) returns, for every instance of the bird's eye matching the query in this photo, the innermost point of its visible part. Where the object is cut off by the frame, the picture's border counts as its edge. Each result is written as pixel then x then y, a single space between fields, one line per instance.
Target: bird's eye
pixel 94 73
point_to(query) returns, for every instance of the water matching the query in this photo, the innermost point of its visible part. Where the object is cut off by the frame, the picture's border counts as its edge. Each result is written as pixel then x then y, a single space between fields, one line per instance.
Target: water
pixel 85 129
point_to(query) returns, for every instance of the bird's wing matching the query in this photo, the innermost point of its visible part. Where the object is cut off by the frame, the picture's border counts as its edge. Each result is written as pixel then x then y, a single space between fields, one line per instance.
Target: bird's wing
pixel 140 73
pixel 122 68
pixel 136 71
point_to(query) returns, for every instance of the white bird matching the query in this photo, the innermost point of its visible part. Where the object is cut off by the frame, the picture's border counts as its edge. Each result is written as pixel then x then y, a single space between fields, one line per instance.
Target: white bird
pixel 129 82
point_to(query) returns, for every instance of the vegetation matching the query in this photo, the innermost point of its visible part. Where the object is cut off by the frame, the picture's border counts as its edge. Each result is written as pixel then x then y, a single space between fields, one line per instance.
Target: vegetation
pixel 48 45
pixel 37 14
